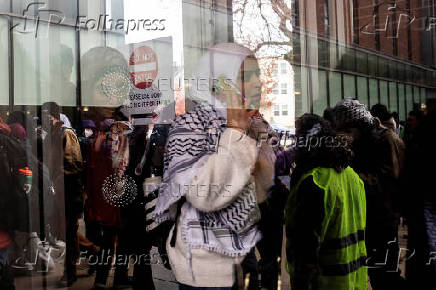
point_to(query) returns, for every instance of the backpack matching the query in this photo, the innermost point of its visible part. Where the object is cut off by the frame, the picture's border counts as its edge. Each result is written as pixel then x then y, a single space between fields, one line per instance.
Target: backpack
pixel 13 199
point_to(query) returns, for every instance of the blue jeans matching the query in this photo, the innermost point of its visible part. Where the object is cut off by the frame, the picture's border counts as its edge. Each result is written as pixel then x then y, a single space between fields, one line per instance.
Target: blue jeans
pixel 187 287
pixel 3 256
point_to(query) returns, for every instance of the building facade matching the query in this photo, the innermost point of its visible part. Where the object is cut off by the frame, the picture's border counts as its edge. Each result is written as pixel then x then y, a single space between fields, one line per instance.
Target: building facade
pixel 376 51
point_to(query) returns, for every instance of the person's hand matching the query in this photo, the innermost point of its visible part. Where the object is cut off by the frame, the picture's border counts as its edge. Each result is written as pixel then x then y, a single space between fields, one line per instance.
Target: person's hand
pixel 238 116
pixel 239 119
pixel 259 128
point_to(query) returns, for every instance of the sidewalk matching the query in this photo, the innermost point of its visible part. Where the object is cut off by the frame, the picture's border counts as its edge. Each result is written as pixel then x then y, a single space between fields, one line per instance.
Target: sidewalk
pixel 163 278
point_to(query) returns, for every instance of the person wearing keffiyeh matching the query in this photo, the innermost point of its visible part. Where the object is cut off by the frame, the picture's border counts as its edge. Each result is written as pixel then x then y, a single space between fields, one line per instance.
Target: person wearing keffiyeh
pixel 379 161
pixel 210 162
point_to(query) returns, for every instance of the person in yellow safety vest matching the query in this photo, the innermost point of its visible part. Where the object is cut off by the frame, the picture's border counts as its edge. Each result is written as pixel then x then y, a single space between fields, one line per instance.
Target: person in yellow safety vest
pixel 325 213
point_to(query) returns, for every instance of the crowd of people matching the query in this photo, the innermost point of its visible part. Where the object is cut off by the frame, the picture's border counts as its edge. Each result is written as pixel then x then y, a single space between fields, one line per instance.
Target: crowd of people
pixel 216 190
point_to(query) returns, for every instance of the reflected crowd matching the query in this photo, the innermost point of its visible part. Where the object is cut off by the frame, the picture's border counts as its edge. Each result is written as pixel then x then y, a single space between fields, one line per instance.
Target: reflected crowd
pixel 224 199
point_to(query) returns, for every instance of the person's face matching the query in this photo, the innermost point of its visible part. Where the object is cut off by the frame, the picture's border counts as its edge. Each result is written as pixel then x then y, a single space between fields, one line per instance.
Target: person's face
pixel 249 83
pixel 88 132
pixel 412 122
pixel 390 124
pixel 48 120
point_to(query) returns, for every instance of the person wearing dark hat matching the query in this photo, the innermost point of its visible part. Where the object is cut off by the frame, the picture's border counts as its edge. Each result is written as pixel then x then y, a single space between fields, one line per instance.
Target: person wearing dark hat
pixel 88 131
pixel 325 213
pixel 386 118
pixel 64 159
pixel 378 159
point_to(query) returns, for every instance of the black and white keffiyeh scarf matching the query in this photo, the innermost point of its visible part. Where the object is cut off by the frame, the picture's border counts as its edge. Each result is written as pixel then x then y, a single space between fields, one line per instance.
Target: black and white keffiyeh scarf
pixel 192 138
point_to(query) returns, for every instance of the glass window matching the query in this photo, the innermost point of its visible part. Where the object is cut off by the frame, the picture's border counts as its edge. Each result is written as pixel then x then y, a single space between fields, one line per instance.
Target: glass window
pixel 393 101
pixel 283 68
pixel 90 39
pixel 392 66
pixel 48 63
pixel 4 62
pixel 383 67
pixel 361 62
pixel 91 9
pixel 284 110
pixel 373 92
pixel 423 95
pixel 372 65
pixel 319 89
pixel 55 11
pixel 349 86
pixel 348 59
pixel 416 95
pixel 409 98
pixel 305 102
pixel 275 70
pixel 383 92
pixel 61 8
pixel 324 53
pixel 284 88
pixel 298 46
pixel 301 91
pixel 115 39
pixel 401 71
pixel 276 110
pixel 402 102
pixel 333 55
pixel 430 78
pixel 408 73
pixel 312 50
pixel 26 62
pixel 362 90
pixel 335 88
pixel 417 75
pixel 4 6
pixel 18 6
pixel 275 89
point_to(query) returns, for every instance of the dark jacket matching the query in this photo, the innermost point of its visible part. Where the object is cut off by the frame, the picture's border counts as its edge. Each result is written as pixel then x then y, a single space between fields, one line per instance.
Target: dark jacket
pixel 379 161
pixel 62 155
pixel 13 201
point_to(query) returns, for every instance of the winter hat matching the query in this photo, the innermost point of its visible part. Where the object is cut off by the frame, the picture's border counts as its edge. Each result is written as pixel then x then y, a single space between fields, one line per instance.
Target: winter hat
pixel 381 112
pixel 349 112
pixel 88 124
pixel 106 124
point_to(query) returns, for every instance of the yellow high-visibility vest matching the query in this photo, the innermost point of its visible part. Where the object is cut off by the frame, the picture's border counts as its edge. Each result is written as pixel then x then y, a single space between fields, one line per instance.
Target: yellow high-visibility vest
pixel 342 252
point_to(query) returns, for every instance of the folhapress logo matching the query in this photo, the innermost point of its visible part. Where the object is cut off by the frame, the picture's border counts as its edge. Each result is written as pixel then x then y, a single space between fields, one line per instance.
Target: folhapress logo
pixel 50 16
pixel 106 23
pixel 395 20
pixel 37 13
